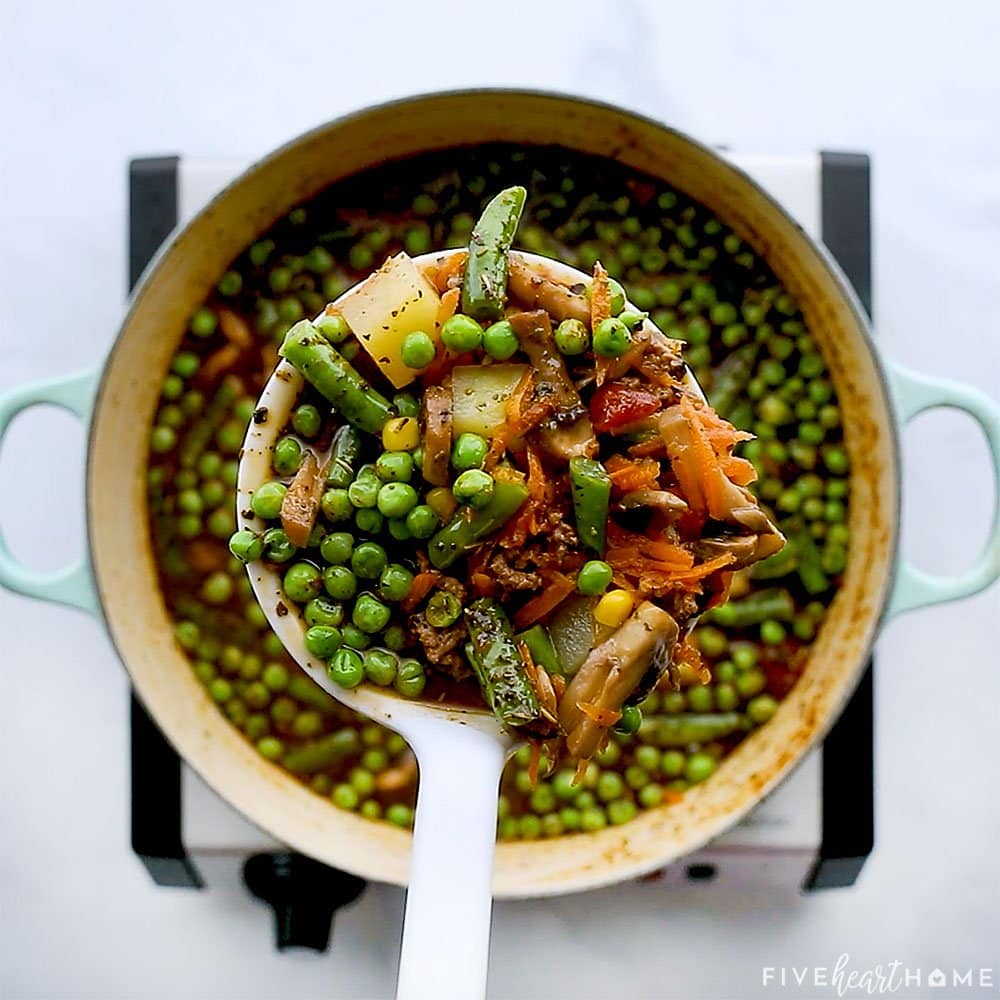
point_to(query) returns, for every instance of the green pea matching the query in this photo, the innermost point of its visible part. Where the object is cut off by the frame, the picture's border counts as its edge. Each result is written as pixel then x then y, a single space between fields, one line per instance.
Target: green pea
pixel 772 633
pixel 621 811
pixel 594 577
pixel 203 322
pixel 213 493
pixel 712 642
pixel 334 328
pixel 570 818
pixel 636 777
pixel 162 439
pixel 726 697
pixel 469 451
pixel 189 526
pixel 522 781
pixel 612 338
pixel 592 819
pixel 368 560
pixel 354 637
pixel 269 747
pixel 230 471
pixel 217 588
pixel 322 611
pixel 339 582
pixel 672 763
pixel 399 815
pixel 337 547
pixel 394 467
pixel 370 614
pixel 761 708
pixel 473 487
pixel 410 679
pixel 417 350
pixel 397 499
pixel 380 669
pixel 287 456
pixel 673 702
pixel 323 641
pixel 257 695
pixel 173 387
pixel 346 668
pixel 363 492
pixel 336 505
pixel 278 547
pixel 811 366
pixel 700 698
pixel 344 796
pixel 500 341
pixel 610 786
pixel 572 337
pixel 185 364
pixel 648 758
pixel 395 582
pixel 246 545
pixel 394 637
pixel 302 582
pixel 422 522
pixel 650 796
pixel 630 722
pixel 751 682
pixel 461 333
pixel 398 529
pixel 443 609
pixel 836 460
pixel 699 766
pixel 266 501
pixel 306 420
pixel 275 677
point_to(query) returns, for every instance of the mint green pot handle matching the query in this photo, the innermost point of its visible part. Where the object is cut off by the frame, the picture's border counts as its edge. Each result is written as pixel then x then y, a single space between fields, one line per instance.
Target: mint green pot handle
pixel 912 394
pixel 73 585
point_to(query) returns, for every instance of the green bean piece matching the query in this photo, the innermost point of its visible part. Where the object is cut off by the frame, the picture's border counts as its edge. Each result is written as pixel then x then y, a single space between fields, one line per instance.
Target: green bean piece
pixel 690 727
pixel 731 377
pixel 329 372
pixel 810 564
pixel 591 487
pixel 484 287
pixel 757 608
pixel 783 562
pixel 230 389
pixel 501 670
pixel 321 754
pixel 467 527
pixel 307 692
pixel 541 649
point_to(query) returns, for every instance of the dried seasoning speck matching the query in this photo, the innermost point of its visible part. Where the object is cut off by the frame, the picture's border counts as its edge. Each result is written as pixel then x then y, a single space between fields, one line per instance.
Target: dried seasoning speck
pixel 260 415
pixel 281 609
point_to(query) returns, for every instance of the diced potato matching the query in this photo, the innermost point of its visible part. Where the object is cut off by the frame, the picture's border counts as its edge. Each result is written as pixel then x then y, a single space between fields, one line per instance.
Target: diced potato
pixel 480 394
pixel 396 300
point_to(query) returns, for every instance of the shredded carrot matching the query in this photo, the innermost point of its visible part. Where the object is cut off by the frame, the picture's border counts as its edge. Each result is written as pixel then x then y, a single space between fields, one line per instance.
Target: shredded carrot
pixel 423 584
pixel 672 796
pixel 518 399
pixel 706 568
pixel 667 552
pixel 441 273
pixel 628 476
pixel 218 361
pixel 559 588
pixel 651 446
pixel 448 306
pixel 483 584
pixel 516 530
pixel 602 716
pixel 498 446
pixel 738 470
pixel 536 475
pixel 235 329
pixel 708 461
pixel 600 296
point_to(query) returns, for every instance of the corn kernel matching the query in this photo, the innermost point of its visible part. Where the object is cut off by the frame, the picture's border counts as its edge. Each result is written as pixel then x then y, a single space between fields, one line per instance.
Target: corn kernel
pixel 401 434
pixel 613 608
pixel 441 501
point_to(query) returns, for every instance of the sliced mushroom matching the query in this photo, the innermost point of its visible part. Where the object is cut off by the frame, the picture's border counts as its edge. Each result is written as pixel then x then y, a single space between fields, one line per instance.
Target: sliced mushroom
pixel 612 672
pixel 300 505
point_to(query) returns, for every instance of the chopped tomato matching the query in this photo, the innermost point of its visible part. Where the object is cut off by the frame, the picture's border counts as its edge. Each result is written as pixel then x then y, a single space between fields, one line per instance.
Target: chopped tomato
pixel 615 405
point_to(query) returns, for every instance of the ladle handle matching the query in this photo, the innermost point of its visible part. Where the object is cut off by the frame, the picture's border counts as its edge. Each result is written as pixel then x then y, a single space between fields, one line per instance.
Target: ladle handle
pixel 449 902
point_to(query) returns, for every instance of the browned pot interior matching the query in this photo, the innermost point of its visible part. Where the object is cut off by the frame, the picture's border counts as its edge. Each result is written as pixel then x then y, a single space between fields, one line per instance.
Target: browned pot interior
pixel 182 277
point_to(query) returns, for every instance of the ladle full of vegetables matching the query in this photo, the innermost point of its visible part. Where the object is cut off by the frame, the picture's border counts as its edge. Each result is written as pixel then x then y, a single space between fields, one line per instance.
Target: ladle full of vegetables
pixel 357 612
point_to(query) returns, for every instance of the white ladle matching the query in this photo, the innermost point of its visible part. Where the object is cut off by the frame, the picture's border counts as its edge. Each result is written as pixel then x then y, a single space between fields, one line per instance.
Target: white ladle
pixel 460 752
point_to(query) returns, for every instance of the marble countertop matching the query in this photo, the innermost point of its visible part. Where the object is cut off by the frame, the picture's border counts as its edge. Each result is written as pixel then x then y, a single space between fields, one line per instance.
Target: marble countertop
pixel 84 90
